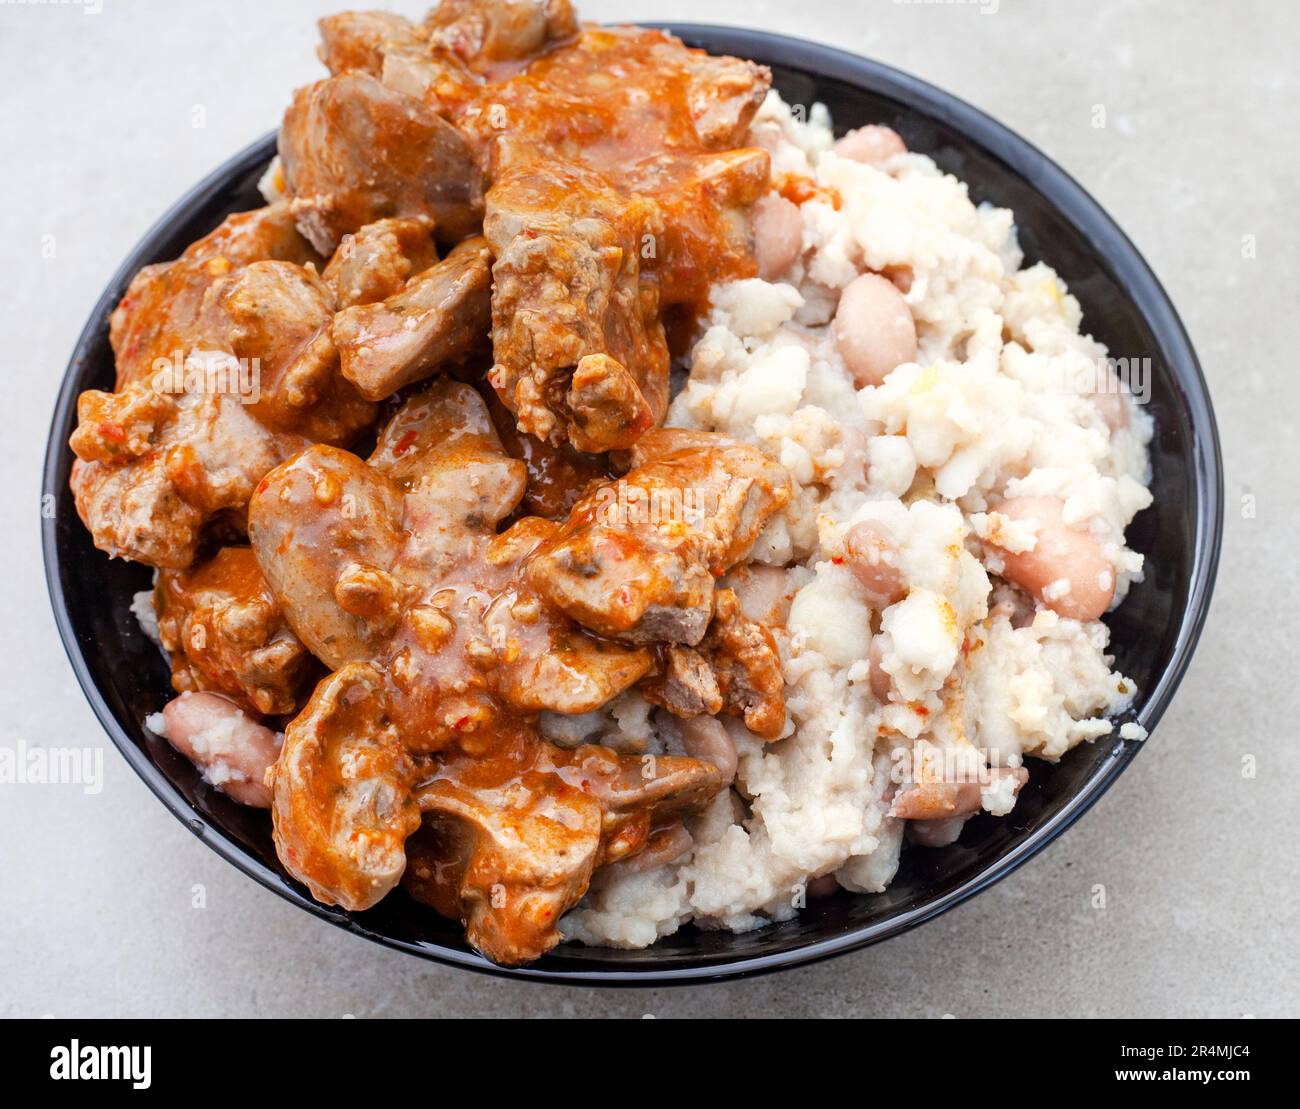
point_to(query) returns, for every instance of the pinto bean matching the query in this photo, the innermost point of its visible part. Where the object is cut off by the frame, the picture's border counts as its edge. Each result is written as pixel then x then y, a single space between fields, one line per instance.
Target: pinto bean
pixel 936 811
pixel 706 739
pixel 872 144
pixel 232 750
pixel 1066 569
pixel 1113 407
pixel 874 330
pixel 824 885
pixel 936 833
pixel 936 801
pixel 778 235
pixel 872 557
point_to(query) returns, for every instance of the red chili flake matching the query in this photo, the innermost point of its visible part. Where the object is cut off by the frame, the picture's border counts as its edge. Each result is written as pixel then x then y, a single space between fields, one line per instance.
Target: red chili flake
pixel 838 560
pixel 115 432
pixel 461 724
pixel 404 443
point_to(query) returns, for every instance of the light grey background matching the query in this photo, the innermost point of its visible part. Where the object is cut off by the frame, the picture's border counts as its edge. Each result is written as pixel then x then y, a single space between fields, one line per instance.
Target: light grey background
pixel 98 119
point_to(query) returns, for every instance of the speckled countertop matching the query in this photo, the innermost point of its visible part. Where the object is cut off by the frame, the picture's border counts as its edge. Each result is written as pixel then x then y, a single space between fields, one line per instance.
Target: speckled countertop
pixel 108 117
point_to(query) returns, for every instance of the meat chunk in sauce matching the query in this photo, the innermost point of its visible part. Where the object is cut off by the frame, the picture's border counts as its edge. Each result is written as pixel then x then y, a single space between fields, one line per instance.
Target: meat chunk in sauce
pixel 461 45
pixel 580 351
pixel 437 316
pixel 225 632
pixel 325 528
pixel 278 318
pixel 485 35
pixel 397 52
pixel 354 151
pixel 546 663
pixel 147 485
pixel 558 475
pixel 163 309
pixel 359 40
pixel 722 94
pixel 375 262
pixel 225 369
pixel 745 660
pixel 347 545
pixel 735 670
pixel 342 807
pixel 509 855
pixel 598 222
pixel 685 684
pixel 670 106
pixel 638 558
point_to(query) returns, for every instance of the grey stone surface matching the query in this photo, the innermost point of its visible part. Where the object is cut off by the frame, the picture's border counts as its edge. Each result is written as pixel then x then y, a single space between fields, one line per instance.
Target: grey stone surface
pixel 106 118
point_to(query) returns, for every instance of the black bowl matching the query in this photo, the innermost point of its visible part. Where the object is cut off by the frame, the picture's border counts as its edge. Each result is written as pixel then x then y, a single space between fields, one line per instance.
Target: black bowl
pixel 1154 631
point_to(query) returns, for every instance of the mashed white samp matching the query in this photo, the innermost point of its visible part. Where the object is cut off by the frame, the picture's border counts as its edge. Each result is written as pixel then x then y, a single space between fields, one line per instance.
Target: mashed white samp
pixel 964 468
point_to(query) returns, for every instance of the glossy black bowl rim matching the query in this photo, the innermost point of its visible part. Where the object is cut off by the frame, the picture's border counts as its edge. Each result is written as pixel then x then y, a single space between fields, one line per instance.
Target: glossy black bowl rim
pixel 1022 159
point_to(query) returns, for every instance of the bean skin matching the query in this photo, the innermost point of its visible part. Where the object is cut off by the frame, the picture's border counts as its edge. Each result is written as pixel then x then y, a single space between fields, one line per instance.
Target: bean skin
pixel 1061 554
pixel 232 750
pixel 871 145
pixel 778 235
pixel 872 557
pixel 874 330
